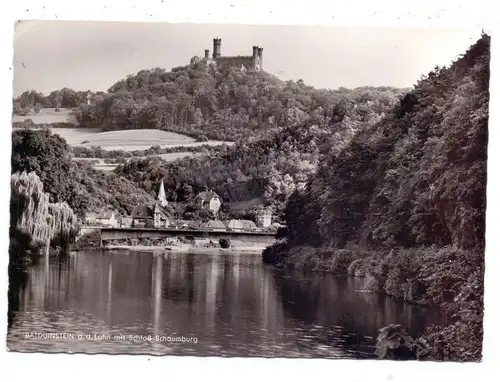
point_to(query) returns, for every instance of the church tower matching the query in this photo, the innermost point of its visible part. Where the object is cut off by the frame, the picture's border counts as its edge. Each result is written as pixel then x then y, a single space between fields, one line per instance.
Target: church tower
pixel 161 198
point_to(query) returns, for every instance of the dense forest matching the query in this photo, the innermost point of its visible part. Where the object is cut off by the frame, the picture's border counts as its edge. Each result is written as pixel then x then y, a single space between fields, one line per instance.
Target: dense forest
pixel 266 167
pixel 271 167
pixel 83 188
pixel 205 103
pixel 404 204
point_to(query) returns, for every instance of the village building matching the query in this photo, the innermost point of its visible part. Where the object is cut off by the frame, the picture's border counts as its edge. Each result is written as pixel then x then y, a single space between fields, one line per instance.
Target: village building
pixel 90 218
pixel 194 224
pixel 264 219
pixel 142 216
pixel 108 219
pixel 150 216
pixel 126 222
pixel 209 201
pixel 180 224
pixel 240 225
pixel 214 225
pixel 155 216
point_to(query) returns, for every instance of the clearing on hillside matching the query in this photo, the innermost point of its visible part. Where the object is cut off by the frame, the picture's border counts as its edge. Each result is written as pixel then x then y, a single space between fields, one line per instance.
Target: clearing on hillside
pixel 131 140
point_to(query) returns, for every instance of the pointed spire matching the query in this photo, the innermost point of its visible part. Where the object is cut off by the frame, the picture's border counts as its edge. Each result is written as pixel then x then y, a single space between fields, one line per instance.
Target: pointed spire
pixel 162 199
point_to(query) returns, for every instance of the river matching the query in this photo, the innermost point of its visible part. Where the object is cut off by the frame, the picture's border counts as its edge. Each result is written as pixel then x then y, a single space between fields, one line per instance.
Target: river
pixel 192 304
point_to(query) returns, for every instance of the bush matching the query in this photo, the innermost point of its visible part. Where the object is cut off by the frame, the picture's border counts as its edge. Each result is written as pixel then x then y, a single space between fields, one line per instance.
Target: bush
pixel 224 243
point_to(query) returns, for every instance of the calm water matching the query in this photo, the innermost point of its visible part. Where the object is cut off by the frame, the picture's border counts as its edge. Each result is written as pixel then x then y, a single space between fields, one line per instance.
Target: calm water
pixel 181 304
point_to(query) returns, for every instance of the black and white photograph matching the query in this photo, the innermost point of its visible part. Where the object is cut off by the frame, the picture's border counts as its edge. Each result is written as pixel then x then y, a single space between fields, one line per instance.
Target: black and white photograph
pixel 228 190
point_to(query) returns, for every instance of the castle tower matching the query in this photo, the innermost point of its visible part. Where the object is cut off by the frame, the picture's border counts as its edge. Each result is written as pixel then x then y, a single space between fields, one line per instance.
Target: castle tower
pixel 161 198
pixel 260 51
pixel 217 48
pixel 255 52
pixel 255 55
pixel 207 53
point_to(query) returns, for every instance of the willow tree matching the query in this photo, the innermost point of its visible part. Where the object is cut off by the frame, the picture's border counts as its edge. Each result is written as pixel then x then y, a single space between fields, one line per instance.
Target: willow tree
pixel 33 218
pixel 62 222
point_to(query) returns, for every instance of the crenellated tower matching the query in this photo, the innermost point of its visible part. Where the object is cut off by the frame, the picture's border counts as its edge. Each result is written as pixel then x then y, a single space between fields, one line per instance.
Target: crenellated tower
pixel 217 48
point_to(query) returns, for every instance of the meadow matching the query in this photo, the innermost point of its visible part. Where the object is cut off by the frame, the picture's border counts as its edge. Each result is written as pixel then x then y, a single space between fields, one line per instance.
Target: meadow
pixel 127 140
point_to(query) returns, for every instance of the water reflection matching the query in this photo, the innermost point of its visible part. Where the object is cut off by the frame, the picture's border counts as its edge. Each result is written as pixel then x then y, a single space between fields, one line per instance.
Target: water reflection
pixel 232 304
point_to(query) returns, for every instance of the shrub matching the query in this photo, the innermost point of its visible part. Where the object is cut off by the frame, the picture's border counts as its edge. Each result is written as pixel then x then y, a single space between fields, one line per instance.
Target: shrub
pixel 224 243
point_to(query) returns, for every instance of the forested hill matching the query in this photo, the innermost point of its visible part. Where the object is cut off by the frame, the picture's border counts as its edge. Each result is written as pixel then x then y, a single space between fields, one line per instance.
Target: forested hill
pixel 272 166
pixel 208 104
pixel 404 205
pixel 417 177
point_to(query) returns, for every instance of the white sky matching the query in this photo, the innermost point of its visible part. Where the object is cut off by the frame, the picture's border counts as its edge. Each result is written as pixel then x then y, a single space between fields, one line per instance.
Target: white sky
pixel 49 55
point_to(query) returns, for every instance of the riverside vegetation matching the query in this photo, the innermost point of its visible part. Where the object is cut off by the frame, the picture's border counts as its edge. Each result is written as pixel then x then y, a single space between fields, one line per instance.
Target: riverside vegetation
pixel 403 205
pixel 382 183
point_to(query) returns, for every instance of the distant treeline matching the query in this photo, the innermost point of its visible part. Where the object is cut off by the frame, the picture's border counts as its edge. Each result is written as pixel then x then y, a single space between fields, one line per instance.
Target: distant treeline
pixel 63 98
pixel 98 152
pixel 29 124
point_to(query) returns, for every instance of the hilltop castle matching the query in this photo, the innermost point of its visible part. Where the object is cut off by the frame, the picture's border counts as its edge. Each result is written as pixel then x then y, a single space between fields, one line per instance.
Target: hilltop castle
pixel 253 62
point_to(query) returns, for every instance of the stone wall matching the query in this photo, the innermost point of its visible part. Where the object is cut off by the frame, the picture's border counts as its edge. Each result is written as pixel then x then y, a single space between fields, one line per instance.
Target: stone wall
pixel 235 62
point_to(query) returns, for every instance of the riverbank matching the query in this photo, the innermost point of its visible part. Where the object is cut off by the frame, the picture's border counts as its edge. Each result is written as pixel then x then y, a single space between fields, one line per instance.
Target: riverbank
pixel 448 278
pixel 92 241
pixel 255 250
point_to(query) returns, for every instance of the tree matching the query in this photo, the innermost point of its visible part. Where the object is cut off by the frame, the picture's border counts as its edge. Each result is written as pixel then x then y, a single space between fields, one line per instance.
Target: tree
pixel 33 214
pixel 47 155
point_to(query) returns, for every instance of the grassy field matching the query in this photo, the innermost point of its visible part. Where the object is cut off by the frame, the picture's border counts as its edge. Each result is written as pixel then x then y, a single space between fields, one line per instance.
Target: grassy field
pixel 48 116
pixel 127 140
pixel 135 139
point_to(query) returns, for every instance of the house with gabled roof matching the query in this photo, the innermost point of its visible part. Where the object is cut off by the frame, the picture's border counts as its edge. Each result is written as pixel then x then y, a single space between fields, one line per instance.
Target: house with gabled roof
pixel 150 216
pixel 240 225
pixel 214 225
pixel 209 201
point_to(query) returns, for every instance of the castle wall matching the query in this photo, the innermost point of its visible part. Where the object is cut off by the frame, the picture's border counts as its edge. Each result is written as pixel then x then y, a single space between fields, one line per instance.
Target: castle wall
pixel 209 61
pixel 235 62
